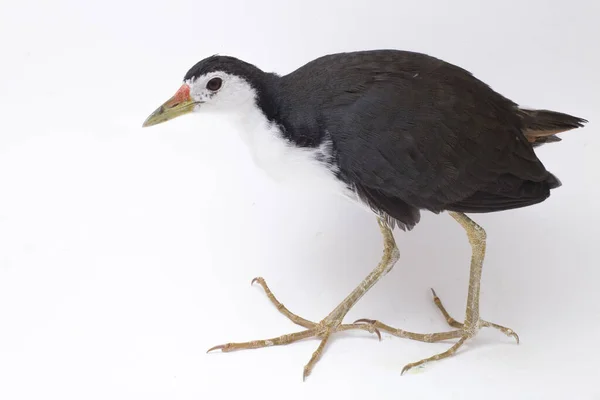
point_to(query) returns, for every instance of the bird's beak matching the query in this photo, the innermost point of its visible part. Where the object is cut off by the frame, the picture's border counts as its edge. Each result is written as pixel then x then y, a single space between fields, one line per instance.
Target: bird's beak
pixel 181 103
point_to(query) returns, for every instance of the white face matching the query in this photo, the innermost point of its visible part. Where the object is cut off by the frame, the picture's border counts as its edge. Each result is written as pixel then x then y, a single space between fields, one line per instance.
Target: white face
pixel 221 92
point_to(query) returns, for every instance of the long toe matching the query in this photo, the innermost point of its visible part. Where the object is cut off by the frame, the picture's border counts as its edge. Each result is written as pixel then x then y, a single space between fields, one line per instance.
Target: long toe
pixel 323 330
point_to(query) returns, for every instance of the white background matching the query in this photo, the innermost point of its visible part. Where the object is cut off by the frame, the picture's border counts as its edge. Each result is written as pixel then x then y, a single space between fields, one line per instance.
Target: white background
pixel 125 253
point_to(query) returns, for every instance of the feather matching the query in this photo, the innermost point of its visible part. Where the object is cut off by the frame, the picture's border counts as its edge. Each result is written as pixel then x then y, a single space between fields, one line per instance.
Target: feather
pixel 541 126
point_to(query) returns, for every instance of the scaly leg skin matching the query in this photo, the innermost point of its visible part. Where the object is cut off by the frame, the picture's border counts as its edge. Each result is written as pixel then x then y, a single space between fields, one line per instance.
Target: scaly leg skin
pixel 483 324
pixel 473 323
pixel 333 322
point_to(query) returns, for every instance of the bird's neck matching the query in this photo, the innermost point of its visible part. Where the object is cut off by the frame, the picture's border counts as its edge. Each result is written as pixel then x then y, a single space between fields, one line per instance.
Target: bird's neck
pixel 286 108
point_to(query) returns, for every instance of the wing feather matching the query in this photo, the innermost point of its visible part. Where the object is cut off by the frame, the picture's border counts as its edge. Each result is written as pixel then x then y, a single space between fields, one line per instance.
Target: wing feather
pixel 424 134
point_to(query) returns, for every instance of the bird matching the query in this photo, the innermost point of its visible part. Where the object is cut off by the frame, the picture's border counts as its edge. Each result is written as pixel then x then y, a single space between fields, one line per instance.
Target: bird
pixel 396 132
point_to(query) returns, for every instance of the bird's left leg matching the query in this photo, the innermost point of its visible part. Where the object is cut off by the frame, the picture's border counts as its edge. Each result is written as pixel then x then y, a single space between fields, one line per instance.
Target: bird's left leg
pixel 472 323
pixel 333 322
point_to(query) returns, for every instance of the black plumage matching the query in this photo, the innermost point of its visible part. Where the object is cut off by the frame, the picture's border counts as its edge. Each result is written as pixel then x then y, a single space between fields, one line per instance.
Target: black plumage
pixel 410 132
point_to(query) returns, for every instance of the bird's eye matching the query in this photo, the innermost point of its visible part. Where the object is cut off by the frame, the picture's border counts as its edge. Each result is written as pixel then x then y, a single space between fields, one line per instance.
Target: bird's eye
pixel 214 84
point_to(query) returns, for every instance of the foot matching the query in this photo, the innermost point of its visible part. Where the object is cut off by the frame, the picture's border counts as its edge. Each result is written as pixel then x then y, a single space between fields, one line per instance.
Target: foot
pixel 463 332
pixel 323 330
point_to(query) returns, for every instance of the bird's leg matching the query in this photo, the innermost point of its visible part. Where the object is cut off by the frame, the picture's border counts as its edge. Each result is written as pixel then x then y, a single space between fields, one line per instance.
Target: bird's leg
pixel 484 324
pixel 333 322
pixel 472 323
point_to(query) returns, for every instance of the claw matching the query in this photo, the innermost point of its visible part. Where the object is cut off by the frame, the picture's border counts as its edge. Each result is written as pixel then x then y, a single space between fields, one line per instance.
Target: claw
pixel 255 280
pixel 305 374
pixel 410 366
pixel 514 334
pixel 219 347
pixel 369 322
pixel 379 334
pixel 434 293
pixel 365 320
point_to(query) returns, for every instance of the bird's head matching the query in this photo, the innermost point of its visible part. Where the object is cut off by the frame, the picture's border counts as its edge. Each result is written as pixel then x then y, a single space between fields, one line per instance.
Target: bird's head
pixel 215 83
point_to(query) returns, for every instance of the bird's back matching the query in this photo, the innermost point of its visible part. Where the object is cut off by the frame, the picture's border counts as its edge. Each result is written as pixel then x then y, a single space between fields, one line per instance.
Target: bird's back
pixel 413 132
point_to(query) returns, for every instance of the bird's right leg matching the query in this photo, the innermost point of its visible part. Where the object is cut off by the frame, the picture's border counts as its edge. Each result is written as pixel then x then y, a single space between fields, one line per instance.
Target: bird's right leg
pixel 472 323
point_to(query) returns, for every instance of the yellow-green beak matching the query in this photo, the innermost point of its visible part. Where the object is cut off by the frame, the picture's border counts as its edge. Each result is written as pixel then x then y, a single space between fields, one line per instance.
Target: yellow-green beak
pixel 181 103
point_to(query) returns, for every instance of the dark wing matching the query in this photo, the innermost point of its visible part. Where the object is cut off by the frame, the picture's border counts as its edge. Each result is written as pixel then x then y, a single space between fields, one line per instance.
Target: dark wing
pixel 413 132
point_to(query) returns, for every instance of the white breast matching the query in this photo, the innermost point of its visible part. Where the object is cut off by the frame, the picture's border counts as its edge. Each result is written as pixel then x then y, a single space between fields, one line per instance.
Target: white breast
pixel 283 161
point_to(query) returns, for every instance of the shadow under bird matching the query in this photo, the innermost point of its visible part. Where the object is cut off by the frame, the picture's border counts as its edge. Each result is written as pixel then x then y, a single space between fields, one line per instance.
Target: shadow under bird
pixel 395 131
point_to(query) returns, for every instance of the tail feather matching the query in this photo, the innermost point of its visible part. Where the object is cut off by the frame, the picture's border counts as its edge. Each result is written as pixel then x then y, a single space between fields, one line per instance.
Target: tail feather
pixel 541 126
pixel 508 193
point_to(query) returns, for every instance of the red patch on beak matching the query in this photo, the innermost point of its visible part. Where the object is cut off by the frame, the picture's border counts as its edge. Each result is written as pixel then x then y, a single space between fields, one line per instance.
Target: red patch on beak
pixel 183 94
